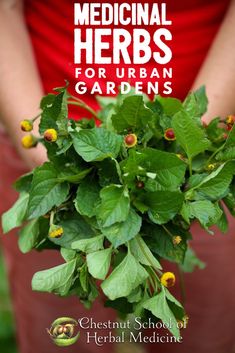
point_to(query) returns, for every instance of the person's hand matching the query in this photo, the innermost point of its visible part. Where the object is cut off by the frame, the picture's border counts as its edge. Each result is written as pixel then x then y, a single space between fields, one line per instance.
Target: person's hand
pixel 33 157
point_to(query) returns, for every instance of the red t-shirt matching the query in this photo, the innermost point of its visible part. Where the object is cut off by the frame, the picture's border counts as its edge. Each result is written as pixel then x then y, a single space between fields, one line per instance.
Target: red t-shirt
pixel 51 26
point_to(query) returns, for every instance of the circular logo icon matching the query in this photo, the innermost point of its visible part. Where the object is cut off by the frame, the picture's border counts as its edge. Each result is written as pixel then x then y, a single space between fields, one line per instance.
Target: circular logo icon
pixel 62 331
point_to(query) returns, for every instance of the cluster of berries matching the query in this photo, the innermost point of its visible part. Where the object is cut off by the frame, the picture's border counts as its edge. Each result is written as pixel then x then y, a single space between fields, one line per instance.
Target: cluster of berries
pixel 29 140
pixel 131 139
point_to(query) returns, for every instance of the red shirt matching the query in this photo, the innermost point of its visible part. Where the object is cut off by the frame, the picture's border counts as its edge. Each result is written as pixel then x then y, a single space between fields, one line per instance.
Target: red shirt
pixel 51 26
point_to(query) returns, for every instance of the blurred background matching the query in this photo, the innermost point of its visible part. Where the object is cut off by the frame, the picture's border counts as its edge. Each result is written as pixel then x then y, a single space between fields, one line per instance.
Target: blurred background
pixel 7 328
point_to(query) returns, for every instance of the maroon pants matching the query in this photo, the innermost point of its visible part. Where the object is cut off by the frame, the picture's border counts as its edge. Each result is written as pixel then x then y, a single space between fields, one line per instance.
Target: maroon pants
pixel 210 292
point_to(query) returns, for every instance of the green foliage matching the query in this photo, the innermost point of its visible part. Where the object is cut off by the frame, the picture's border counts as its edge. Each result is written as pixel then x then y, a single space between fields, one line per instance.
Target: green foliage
pixel 189 135
pixel 46 191
pixel 7 327
pixel 56 280
pixel 114 206
pixel 159 307
pixel 15 216
pixel 124 278
pixel 119 210
pixel 96 144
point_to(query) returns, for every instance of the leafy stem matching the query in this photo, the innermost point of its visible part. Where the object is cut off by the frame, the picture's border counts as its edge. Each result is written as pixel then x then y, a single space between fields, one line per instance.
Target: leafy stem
pixel 52 217
pixel 167 231
pixel 215 153
pixel 83 105
pixel 190 166
pixel 36 117
pixel 182 284
pixel 153 279
pixel 147 257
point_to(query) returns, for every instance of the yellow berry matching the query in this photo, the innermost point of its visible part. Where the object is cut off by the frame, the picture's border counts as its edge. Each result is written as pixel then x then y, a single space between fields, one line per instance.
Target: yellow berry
pixel 211 166
pixel 177 239
pixel 26 125
pixel 168 279
pixel 28 141
pixel 130 140
pixel 55 231
pixel 230 119
pixel 50 135
pixel 183 323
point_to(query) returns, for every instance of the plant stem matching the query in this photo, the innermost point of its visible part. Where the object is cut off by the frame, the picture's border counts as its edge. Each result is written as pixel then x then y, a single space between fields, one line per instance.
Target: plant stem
pixel 36 117
pixel 167 231
pixel 83 105
pixel 147 257
pixel 52 217
pixel 216 151
pixel 182 285
pixel 190 166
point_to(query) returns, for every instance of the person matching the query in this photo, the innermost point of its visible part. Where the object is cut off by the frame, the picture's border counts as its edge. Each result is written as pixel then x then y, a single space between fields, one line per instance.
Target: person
pixel 36 56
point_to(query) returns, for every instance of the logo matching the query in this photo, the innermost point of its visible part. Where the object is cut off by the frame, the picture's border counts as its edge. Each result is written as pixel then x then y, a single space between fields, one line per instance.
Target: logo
pixel 62 331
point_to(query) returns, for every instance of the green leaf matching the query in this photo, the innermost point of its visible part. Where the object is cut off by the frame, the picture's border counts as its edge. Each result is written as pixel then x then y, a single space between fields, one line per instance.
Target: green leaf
pixel 163 205
pixel 161 242
pixel 142 253
pixel 133 114
pixel 96 144
pixel 55 112
pixel 222 223
pixel 171 298
pixel 169 169
pixel 206 212
pixel 213 130
pixel 89 245
pixel 29 236
pixel 108 173
pixel 15 216
pixel 189 135
pixel 230 141
pixel 120 233
pixel 115 205
pixel 46 192
pixel 83 277
pixel 170 105
pixel 191 261
pixel 56 280
pixel 196 103
pixel 216 184
pixel 128 275
pixel 68 254
pixel 74 178
pixel 87 197
pixel 226 154
pixel 201 99
pixel 121 305
pixel 229 201
pixel 98 263
pixel 23 184
pixel 135 296
pixel 166 169
pixel 159 307
pixel 75 228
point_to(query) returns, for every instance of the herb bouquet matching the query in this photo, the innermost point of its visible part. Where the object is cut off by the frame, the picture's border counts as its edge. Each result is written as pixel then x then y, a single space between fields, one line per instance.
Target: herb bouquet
pixel 118 198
